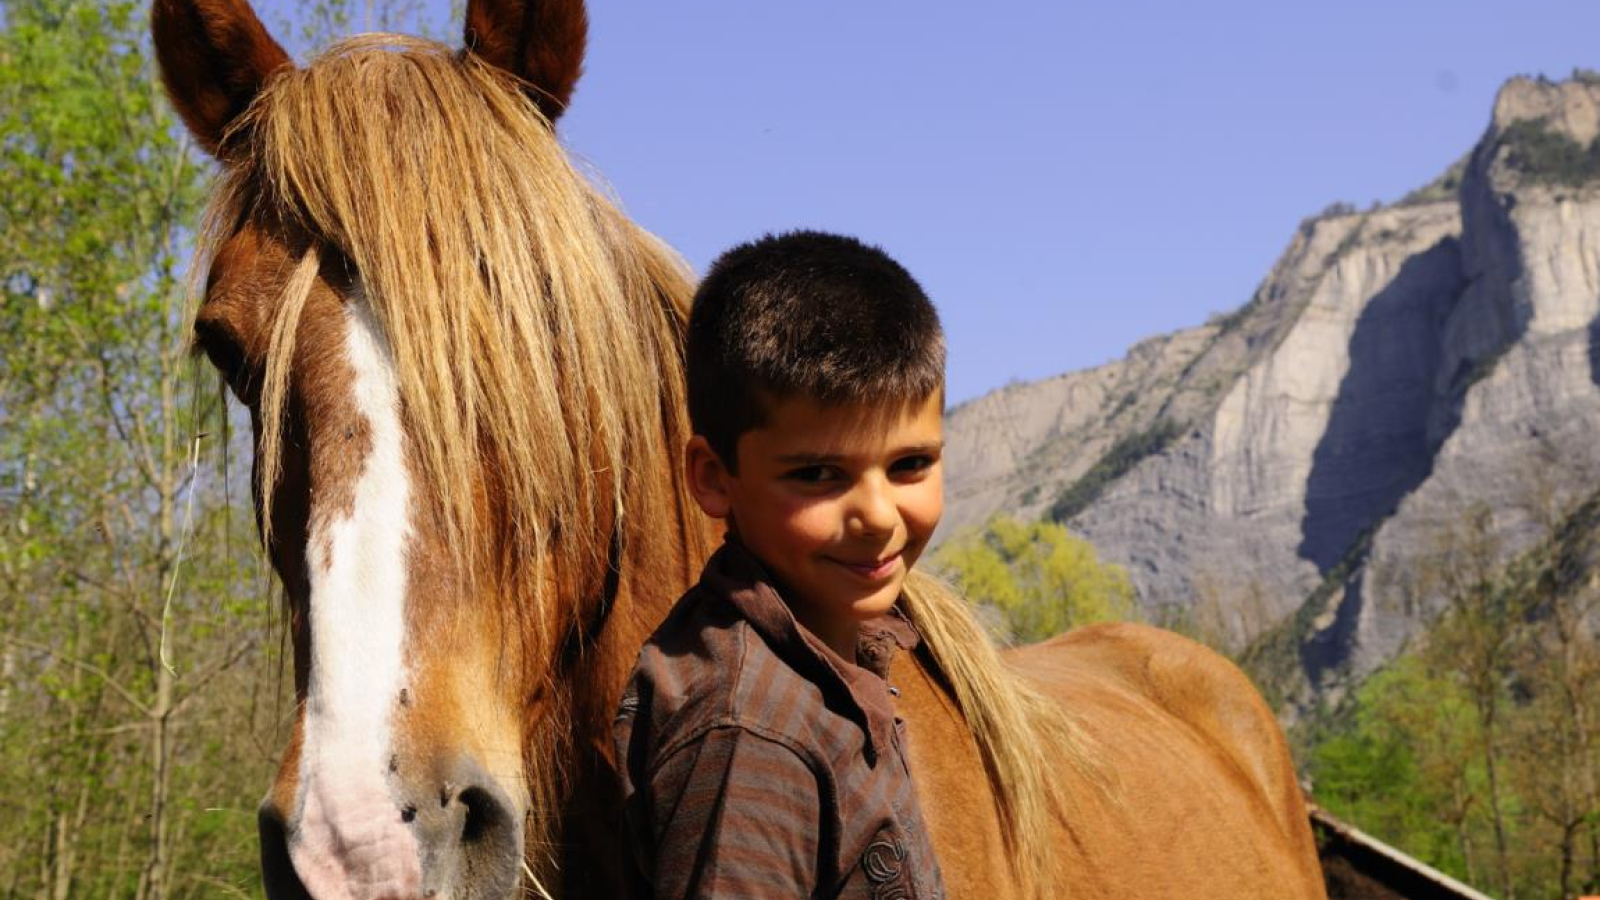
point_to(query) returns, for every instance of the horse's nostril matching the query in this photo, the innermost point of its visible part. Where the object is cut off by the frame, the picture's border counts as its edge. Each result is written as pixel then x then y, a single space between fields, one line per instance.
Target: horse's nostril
pixel 486 816
pixel 471 843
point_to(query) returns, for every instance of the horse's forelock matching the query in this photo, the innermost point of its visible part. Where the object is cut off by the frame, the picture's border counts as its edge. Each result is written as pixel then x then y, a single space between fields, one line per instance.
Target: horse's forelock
pixel 502 279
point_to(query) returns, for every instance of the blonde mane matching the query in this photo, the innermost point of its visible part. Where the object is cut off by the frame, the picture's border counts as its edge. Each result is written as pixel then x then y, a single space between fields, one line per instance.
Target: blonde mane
pixel 1027 741
pixel 537 338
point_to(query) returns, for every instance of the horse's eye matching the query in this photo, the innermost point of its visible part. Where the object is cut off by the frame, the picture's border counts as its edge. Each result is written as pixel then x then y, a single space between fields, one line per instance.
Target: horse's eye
pixel 220 346
pixel 337 269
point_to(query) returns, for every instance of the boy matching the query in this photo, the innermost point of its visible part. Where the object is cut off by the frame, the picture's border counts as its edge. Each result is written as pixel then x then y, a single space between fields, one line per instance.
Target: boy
pixel 760 751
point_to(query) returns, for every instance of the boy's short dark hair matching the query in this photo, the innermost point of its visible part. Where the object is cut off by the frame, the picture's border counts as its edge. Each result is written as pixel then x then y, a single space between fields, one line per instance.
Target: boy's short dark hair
pixel 805 314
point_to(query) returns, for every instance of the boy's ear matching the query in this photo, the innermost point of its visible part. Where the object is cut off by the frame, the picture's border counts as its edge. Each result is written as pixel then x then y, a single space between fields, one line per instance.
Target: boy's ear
pixel 708 478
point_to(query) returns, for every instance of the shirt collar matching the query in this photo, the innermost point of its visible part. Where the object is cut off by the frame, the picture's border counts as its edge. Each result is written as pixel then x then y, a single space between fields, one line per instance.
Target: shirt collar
pixel 859 685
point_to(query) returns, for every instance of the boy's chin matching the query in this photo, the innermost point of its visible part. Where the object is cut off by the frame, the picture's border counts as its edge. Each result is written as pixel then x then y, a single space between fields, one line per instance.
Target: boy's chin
pixel 878 602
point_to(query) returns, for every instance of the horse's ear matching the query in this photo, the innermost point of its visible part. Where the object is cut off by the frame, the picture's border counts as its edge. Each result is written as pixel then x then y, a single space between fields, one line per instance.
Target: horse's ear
pixel 539 41
pixel 214 55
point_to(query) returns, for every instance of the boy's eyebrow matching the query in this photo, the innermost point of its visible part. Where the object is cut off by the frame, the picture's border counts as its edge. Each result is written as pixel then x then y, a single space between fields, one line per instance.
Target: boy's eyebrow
pixel 809 459
pixel 815 459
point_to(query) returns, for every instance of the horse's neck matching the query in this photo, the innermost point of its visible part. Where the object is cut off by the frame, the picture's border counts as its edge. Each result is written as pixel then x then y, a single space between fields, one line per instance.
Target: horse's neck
pixel 660 566
pixel 655 574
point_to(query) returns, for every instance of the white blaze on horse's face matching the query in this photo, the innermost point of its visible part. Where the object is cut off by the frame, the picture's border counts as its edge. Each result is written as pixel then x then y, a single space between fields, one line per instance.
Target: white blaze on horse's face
pixel 395 786
pixel 353 839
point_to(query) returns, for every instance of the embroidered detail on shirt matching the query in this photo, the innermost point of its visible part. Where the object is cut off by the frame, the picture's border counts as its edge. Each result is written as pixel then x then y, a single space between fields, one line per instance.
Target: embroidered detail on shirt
pixel 883 862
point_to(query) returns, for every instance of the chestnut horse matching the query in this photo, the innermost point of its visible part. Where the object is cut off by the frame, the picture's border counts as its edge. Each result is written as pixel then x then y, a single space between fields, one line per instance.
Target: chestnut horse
pixel 464 373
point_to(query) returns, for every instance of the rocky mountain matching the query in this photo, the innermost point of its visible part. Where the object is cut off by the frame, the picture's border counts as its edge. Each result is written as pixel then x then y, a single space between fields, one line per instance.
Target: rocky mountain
pixel 1295 464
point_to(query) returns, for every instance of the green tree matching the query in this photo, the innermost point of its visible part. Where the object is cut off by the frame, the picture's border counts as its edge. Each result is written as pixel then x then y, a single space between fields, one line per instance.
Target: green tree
pixel 1553 728
pixel 1040 577
pixel 131 639
pixel 1405 767
pixel 142 694
pixel 1475 642
pixel 1478 749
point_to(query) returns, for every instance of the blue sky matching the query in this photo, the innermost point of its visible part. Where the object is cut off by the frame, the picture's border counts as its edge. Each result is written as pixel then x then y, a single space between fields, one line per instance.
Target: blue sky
pixel 1064 178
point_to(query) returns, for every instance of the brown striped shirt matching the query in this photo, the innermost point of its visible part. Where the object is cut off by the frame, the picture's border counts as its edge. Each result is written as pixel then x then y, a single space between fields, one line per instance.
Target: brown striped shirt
pixel 758 764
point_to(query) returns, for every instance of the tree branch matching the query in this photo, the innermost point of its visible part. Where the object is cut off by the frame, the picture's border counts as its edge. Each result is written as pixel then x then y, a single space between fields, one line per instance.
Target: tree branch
pixel 104 676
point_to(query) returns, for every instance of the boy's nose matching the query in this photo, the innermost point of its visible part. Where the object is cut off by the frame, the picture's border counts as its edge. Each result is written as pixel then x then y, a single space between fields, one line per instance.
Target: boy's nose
pixel 873 511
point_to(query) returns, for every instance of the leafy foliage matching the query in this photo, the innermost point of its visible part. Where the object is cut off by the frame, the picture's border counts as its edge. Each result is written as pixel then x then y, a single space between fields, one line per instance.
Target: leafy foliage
pixel 1405 768
pixel 1446 187
pixel 1040 578
pixel 1478 751
pixel 1547 156
pixel 133 630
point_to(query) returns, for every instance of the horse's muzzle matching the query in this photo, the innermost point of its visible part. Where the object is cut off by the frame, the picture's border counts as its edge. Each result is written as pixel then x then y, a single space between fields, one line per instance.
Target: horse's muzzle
pixel 462 834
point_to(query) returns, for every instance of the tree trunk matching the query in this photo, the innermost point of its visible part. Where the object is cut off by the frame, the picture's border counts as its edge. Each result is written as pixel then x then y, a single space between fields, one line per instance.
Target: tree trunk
pixel 1487 711
pixel 1465 844
pixel 161 764
pixel 66 857
pixel 167 556
pixel 8 674
pixel 1569 836
pixel 1591 884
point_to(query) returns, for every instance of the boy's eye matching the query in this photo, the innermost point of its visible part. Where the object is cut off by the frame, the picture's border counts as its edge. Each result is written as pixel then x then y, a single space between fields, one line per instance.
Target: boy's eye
pixel 910 465
pixel 811 474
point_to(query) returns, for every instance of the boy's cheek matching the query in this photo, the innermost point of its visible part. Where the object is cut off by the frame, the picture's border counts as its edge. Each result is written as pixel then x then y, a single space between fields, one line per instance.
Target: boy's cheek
pixel 796 508
pixel 812 525
pixel 926 507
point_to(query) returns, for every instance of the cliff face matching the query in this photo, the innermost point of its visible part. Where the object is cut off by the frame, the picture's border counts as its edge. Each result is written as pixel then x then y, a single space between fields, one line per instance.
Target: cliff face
pixel 1297 463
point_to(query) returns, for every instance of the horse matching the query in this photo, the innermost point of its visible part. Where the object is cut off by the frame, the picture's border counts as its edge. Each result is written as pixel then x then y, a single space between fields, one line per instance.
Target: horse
pixel 464 372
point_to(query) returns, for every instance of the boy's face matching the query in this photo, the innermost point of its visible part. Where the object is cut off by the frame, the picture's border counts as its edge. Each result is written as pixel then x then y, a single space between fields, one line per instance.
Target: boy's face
pixel 837 503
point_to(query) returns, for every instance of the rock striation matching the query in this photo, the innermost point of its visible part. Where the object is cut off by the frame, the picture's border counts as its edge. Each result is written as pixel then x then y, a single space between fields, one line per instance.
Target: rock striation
pixel 1296 464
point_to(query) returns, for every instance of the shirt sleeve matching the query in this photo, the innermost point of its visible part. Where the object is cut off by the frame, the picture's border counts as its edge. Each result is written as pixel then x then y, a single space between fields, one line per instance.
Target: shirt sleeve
pixel 735 815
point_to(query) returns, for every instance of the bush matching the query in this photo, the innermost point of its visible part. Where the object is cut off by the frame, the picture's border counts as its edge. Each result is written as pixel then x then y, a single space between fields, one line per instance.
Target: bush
pixel 1546 156
pixel 1040 577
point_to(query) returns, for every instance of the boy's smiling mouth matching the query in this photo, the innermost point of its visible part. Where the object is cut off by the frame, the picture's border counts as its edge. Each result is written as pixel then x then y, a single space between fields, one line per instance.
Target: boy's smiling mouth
pixel 873 570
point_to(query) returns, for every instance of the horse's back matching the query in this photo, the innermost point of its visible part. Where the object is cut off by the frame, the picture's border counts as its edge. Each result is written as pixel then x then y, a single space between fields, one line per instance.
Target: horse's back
pixel 1199 794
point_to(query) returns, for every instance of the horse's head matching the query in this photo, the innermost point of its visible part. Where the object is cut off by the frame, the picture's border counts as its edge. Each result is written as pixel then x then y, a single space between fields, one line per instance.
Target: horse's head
pixel 462 367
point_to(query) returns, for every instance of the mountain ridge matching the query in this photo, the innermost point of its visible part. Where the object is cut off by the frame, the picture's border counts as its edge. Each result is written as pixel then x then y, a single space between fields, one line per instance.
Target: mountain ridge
pixel 1396 365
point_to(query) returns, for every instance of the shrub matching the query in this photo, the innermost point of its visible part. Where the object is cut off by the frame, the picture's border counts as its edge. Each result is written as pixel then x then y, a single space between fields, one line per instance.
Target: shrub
pixel 1546 156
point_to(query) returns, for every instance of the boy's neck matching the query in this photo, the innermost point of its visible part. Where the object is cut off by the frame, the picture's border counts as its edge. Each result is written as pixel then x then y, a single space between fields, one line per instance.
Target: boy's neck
pixel 840 634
